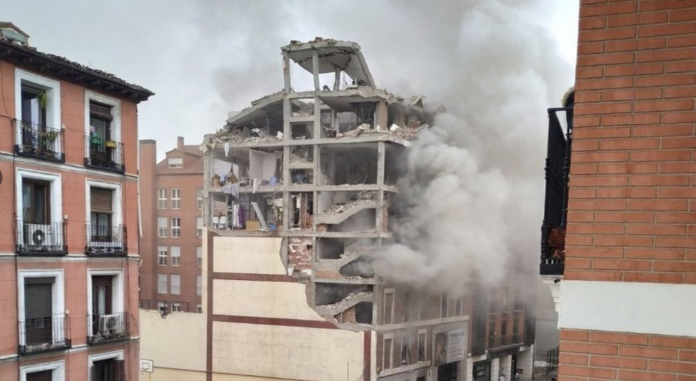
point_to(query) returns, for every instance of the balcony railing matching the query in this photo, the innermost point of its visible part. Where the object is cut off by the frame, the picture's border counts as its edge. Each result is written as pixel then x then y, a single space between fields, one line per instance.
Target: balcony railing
pixel 39 141
pixel 557 170
pixel 44 334
pixel 104 154
pixel 108 327
pixel 104 240
pixel 41 239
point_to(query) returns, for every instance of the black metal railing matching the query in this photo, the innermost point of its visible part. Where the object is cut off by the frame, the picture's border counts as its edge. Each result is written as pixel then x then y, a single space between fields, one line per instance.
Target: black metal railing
pixel 41 238
pixel 167 307
pixel 104 154
pixel 41 142
pixel 105 240
pixel 108 327
pixel 44 334
pixel 551 360
pixel 559 147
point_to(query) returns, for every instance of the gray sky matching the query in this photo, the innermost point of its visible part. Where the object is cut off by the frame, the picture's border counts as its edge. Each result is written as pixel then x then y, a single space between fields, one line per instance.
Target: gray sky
pixel 206 58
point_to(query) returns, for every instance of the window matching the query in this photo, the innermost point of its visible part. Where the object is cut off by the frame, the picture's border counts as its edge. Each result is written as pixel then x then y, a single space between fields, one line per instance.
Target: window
pixel 51 371
pixel 199 198
pixel 176 255
pixel 422 348
pixel 176 307
pixel 388 306
pixel 162 306
pixel 101 202
pixel 443 305
pixel 42 320
pixel 176 198
pixel 108 369
pixel 386 361
pixel 176 227
pixel 161 198
pixel 102 306
pixel 103 131
pixel 176 162
pixel 38 108
pixel 199 256
pixel 199 227
pixel 199 285
pixel 161 255
pixel 405 350
pixel 199 309
pixel 162 227
pixel 458 307
pixel 36 205
pixel 162 284
pixel 100 132
pixel 175 284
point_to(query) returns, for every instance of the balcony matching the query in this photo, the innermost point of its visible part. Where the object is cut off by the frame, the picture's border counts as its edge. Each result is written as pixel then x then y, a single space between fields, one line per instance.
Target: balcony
pixel 44 335
pixel 104 154
pixel 106 241
pixel 40 142
pixel 108 328
pixel 556 201
pixel 48 239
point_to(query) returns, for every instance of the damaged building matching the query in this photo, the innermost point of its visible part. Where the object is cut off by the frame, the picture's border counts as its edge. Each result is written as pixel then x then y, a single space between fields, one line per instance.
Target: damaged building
pixel 307 179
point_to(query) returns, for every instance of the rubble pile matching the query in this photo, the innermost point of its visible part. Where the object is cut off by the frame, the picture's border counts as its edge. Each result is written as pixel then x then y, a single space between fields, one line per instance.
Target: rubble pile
pixel 340 208
pixel 347 300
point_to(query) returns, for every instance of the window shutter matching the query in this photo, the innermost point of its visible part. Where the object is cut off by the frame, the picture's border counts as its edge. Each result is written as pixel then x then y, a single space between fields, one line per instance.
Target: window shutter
pixel 100 200
pixel 38 298
pixel 100 111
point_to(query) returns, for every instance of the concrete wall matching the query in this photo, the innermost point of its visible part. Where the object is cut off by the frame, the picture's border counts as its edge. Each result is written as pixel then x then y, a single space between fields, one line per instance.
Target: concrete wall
pixel 248 255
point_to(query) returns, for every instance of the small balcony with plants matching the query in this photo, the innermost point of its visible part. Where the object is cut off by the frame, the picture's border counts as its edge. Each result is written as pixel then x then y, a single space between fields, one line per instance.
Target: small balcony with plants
pixel 104 153
pixel 39 141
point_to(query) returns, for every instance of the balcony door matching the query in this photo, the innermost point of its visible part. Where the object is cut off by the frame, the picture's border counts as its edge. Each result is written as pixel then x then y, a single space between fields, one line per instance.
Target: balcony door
pixel 46 375
pixel 35 202
pixel 100 121
pixel 101 214
pixel 33 115
pixel 38 311
pixel 101 303
pixel 108 370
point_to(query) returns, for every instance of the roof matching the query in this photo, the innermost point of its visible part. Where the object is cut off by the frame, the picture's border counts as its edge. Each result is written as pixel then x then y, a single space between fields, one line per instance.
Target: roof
pixel 70 71
pixel 332 54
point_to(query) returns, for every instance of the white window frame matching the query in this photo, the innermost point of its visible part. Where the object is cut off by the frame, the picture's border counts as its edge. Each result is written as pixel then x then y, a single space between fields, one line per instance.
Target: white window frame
pixel 171 284
pixel 423 332
pixel 176 307
pixel 172 256
pixel 199 285
pixel 57 368
pixel 199 198
pixel 177 165
pixel 116 203
pixel 53 98
pixel 199 256
pixel 199 227
pixel 177 227
pixel 166 255
pixel 117 291
pixel 57 295
pixel 161 201
pixel 159 228
pixel 177 199
pixel 166 276
pixel 389 336
pixel 56 190
pixel 391 308
pixel 162 306
pixel 118 355
pixel 115 124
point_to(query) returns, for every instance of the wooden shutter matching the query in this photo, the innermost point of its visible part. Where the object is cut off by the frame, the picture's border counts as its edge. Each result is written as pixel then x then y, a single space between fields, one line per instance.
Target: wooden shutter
pixel 100 200
pixel 100 111
pixel 38 298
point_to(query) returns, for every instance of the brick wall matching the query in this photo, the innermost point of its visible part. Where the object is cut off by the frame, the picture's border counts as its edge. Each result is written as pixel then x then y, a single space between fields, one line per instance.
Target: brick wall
pixel 631 209
pixel 632 198
pixel 625 356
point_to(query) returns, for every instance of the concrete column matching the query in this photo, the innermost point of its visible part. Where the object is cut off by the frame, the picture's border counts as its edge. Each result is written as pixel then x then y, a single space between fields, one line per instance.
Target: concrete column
pixel 315 70
pixel 495 369
pixel 380 182
pixel 525 361
pixel 286 73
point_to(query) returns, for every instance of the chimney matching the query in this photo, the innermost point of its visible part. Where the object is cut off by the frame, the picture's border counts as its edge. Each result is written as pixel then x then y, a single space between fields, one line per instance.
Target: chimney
pixel 180 143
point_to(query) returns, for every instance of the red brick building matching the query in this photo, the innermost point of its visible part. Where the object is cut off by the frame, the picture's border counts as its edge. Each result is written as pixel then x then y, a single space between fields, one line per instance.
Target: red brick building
pixel 628 289
pixel 68 218
pixel 171 194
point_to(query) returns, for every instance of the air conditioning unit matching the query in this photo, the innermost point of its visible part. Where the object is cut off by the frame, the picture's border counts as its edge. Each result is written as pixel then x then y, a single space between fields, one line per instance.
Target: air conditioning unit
pixel 37 235
pixel 109 324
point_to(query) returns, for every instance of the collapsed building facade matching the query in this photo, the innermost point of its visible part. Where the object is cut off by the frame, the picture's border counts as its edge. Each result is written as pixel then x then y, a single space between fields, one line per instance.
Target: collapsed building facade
pixel 305 180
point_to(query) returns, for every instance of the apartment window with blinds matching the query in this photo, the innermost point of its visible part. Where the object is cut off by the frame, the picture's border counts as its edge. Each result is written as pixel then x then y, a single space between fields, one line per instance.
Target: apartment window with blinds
pixel 176 198
pixel 176 255
pixel 162 227
pixel 161 198
pixel 176 227
pixel 175 284
pixel 199 285
pixel 199 256
pixel 199 198
pixel 162 255
pixel 175 162
pixel 101 201
pixel 162 284
pixel 199 227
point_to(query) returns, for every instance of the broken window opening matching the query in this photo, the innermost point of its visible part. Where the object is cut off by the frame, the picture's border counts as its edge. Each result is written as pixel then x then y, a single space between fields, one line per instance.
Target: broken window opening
pixel 302 211
pixel 301 80
pixel 302 176
pixel 341 165
pixel 363 313
pixel 301 154
pixel 394 163
pixel 360 268
pixel 302 131
pixel 327 294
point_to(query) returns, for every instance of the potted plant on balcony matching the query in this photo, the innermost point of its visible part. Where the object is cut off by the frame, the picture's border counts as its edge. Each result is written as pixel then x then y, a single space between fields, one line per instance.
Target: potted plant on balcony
pixel 49 138
pixel 110 144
